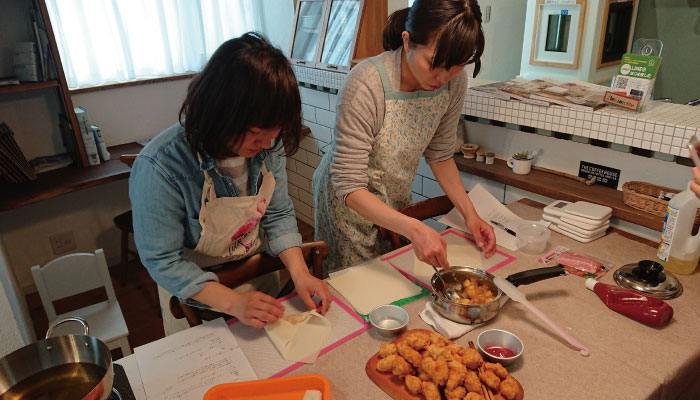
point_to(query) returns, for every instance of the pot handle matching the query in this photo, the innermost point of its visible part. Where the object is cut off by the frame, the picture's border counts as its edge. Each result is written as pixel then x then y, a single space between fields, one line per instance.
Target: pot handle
pixel 536 275
pixel 56 323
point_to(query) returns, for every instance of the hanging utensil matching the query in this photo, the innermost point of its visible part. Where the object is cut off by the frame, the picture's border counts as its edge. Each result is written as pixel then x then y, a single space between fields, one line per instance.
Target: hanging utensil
pixel 516 295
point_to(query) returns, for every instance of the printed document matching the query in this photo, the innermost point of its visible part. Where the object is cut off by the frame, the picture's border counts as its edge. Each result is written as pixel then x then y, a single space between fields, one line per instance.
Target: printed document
pixel 185 365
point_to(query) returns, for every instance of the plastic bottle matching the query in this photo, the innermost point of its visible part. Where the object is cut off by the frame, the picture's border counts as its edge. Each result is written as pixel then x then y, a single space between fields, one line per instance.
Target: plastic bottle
pixel 633 304
pixel 679 250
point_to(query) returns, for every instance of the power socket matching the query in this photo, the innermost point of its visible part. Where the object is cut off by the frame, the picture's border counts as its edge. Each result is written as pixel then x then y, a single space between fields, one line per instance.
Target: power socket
pixel 62 243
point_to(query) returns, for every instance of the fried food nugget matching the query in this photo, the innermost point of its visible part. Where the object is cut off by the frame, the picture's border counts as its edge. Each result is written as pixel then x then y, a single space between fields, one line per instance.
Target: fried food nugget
pixel 490 379
pixel 402 367
pixel 472 382
pixel 422 375
pixel 407 352
pixel 473 396
pixel 497 369
pixel 438 339
pixel 436 369
pixel 418 340
pixel 430 391
pixel 471 358
pixel 413 384
pixel 509 388
pixel 435 350
pixel 476 291
pixel 455 376
pixel 386 364
pixel 456 393
pixel 387 349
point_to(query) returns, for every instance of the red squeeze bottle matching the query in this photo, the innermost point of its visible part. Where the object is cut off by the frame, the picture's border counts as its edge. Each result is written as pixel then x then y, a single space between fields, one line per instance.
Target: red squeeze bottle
pixel 633 304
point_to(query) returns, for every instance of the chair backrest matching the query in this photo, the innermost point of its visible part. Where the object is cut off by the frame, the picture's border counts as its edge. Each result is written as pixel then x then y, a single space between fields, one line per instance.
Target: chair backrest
pixel 235 273
pixel 425 209
pixel 72 274
pixel 128 159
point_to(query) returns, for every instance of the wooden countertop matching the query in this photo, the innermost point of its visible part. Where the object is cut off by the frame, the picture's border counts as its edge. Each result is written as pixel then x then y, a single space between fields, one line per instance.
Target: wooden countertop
pixel 560 188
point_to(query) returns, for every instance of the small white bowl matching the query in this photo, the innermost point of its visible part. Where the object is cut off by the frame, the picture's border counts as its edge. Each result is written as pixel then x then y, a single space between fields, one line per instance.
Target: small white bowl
pixel 389 320
pixel 499 338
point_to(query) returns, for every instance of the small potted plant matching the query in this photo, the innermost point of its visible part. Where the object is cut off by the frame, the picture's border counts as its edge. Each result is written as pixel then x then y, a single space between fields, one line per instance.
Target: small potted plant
pixel 521 162
pixel 523 155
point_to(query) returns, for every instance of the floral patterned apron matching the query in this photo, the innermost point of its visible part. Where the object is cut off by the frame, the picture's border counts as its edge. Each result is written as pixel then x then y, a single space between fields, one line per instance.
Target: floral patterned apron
pixel 230 231
pixel 410 121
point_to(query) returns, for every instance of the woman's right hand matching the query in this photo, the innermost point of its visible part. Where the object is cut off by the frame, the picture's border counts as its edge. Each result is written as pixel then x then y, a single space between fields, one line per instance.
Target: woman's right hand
pixel 256 309
pixel 429 246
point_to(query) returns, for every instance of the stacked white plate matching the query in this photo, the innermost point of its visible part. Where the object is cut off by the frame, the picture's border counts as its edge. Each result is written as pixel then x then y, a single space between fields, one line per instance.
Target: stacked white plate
pixel 582 221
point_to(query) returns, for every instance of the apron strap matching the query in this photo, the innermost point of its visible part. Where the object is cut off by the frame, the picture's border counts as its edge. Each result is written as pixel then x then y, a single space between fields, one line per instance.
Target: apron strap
pixel 382 74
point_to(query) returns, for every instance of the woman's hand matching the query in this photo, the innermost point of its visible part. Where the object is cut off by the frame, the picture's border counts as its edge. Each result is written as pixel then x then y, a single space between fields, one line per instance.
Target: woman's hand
pixel 429 246
pixel 695 184
pixel 483 234
pixel 256 309
pixel 307 286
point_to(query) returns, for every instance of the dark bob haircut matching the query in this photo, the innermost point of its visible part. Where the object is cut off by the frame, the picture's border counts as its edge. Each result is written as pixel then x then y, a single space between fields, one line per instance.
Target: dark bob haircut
pixel 455 25
pixel 247 83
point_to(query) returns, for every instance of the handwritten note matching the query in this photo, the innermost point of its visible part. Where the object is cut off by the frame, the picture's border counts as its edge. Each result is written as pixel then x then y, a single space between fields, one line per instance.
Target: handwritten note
pixel 185 365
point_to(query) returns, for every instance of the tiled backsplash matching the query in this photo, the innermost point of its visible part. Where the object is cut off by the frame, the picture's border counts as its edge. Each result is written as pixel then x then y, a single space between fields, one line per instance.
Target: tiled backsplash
pixel 665 127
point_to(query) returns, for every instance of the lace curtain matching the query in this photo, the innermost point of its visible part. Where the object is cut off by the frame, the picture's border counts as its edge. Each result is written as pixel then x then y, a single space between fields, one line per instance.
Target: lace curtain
pixel 113 41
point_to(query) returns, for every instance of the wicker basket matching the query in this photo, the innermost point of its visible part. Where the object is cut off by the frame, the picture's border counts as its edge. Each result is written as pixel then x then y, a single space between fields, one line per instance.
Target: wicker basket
pixel 645 196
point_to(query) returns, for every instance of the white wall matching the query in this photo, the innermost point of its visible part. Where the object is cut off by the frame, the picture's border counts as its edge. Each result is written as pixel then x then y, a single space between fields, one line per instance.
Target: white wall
pixel 15 323
pixel 503 34
pixel 590 41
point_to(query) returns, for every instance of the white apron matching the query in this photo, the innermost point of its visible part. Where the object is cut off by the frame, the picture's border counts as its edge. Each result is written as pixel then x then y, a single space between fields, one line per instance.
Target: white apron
pixel 230 231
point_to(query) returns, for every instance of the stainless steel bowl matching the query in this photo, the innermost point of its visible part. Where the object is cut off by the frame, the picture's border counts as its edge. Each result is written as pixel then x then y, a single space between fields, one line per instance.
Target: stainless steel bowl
pixel 389 320
pixel 464 313
pixel 499 338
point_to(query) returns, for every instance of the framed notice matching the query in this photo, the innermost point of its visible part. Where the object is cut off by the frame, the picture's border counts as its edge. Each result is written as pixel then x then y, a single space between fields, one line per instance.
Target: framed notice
pixel 557 33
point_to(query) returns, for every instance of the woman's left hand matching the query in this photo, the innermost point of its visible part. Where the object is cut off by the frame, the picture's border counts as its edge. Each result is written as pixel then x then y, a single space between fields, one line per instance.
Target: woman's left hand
pixel 483 234
pixel 307 286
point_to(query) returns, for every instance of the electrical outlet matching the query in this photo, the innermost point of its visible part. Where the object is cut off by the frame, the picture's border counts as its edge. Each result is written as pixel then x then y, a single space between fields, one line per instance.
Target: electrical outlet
pixel 487 14
pixel 62 242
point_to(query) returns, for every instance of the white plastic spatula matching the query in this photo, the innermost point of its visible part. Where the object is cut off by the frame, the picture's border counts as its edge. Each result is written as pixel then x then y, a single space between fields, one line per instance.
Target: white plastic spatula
pixel 514 293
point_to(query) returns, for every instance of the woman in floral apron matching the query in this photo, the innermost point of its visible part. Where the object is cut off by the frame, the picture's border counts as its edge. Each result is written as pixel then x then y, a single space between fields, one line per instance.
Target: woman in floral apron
pixel 213 188
pixel 396 107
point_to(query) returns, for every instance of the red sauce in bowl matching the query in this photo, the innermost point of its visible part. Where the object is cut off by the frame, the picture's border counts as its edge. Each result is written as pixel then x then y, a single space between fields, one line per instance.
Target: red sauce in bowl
pixel 499 351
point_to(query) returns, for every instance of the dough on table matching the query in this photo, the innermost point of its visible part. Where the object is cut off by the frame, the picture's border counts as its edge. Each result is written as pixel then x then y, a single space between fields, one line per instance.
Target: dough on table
pixel 299 337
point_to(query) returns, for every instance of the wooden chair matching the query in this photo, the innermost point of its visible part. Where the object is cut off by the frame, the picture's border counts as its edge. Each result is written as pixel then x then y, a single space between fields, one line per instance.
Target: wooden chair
pixel 124 222
pixel 235 273
pixel 78 273
pixel 425 209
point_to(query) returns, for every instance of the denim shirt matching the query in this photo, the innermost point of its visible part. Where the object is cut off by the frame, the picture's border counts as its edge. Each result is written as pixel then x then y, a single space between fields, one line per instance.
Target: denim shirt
pixel 165 188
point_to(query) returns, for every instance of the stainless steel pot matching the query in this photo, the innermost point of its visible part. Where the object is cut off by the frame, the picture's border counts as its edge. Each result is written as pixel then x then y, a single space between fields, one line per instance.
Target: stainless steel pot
pixel 478 313
pixel 58 368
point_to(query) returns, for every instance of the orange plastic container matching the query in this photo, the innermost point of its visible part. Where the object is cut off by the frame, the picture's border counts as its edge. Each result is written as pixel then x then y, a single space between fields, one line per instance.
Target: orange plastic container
pixel 288 388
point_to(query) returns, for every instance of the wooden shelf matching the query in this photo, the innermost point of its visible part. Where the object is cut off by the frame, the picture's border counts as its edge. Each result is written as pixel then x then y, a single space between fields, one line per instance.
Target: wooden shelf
pixel 66 180
pixel 26 87
pixel 560 188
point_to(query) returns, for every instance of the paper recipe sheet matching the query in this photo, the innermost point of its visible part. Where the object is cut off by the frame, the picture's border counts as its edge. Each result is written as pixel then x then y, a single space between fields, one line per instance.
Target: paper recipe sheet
pixel 185 365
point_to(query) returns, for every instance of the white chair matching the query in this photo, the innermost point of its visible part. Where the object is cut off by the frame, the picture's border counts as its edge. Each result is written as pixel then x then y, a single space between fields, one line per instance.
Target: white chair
pixel 77 273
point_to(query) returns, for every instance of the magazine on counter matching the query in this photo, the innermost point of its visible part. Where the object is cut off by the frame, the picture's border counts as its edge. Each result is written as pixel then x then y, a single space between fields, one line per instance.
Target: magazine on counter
pixel 523 89
pixel 571 94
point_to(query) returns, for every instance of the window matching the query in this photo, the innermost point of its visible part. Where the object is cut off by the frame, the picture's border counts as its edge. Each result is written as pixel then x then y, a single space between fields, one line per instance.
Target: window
pixel 108 41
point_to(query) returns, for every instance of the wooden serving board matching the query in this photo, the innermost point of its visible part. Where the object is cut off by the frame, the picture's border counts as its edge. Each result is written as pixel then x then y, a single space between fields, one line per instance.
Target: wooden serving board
pixel 394 386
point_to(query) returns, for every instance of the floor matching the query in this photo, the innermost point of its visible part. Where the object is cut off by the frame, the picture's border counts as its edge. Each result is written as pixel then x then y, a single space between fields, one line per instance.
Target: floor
pixel 138 299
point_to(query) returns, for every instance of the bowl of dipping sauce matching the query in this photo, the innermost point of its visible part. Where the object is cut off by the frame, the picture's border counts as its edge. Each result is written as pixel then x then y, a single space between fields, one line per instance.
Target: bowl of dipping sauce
pixel 497 345
pixel 389 320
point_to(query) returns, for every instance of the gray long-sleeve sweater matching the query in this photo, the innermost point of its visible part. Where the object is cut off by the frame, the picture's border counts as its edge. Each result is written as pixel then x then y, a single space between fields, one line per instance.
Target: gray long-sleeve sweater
pixel 360 115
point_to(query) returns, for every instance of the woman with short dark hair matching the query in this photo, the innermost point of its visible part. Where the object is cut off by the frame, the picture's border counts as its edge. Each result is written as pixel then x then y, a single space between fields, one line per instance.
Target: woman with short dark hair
pixel 213 187
pixel 395 108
